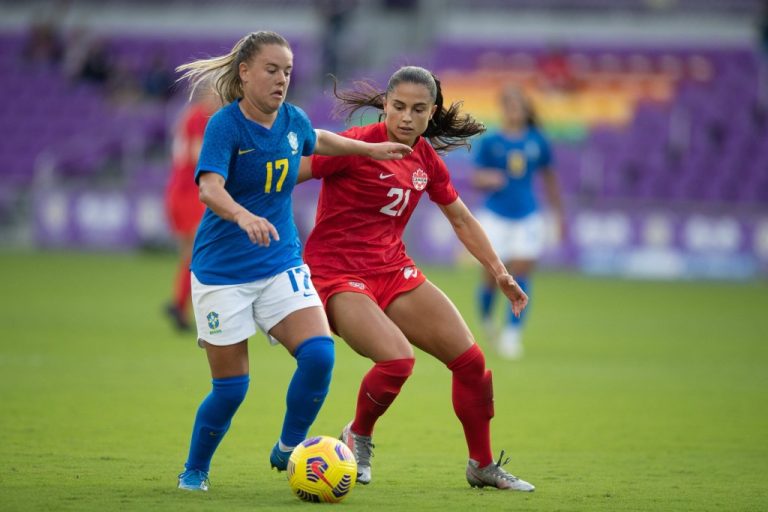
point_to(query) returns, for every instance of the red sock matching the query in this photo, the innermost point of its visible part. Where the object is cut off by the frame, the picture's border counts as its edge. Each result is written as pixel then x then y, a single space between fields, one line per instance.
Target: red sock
pixel 182 287
pixel 379 388
pixel 473 402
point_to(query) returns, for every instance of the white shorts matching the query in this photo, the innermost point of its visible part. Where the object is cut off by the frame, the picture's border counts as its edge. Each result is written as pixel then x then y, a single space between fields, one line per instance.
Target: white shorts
pixel 229 314
pixel 515 239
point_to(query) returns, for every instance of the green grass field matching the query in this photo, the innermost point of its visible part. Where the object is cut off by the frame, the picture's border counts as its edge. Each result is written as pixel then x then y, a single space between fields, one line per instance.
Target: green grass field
pixel 632 396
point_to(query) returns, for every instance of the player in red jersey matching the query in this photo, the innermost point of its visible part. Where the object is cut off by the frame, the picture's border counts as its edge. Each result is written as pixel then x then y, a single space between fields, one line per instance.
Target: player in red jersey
pixel 376 298
pixel 182 201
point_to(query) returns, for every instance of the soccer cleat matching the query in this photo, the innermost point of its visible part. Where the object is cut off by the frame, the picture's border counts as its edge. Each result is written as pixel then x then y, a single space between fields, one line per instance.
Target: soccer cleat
pixel 193 480
pixel 490 331
pixel 493 475
pixel 510 345
pixel 362 448
pixel 278 459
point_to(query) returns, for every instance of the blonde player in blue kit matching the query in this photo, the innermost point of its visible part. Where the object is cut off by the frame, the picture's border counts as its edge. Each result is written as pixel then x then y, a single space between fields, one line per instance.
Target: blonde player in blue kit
pixel 507 161
pixel 247 270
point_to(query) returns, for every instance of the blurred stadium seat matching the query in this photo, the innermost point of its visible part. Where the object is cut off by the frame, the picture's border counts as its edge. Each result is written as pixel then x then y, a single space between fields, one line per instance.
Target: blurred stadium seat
pixel 660 132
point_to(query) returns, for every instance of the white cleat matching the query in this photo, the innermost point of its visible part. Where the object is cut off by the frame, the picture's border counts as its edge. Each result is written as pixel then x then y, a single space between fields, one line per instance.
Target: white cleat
pixel 490 331
pixel 362 447
pixel 194 480
pixel 510 345
pixel 493 475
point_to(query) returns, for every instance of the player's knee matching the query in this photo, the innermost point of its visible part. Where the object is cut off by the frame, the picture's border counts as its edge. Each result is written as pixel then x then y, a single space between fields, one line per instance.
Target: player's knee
pixel 231 390
pixel 470 365
pixel 402 368
pixel 316 356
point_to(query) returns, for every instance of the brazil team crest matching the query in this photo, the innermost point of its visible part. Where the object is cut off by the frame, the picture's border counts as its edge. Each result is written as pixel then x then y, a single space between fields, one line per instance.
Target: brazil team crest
pixel 293 140
pixel 419 179
pixel 213 322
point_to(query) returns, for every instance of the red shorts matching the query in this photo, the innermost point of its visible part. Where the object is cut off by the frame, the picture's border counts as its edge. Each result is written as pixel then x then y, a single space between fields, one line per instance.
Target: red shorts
pixel 184 212
pixel 381 288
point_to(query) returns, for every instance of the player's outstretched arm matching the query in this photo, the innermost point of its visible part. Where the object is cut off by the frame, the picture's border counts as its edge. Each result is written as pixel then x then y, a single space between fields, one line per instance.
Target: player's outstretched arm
pixel 331 144
pixel 472 235
pixel 216 197
pixel 488 179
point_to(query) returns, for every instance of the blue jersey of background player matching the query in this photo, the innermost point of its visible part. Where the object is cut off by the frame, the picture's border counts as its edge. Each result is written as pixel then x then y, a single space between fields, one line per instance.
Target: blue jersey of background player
pixel 517 159
pixel 507 162
pixel 247 273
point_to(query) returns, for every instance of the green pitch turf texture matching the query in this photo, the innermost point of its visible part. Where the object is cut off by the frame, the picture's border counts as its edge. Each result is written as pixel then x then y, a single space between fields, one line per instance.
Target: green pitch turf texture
pixel 632 396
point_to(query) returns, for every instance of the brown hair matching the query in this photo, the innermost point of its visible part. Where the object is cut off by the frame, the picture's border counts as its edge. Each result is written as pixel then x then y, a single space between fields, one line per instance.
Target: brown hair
pixel 448 129
pixel 224 71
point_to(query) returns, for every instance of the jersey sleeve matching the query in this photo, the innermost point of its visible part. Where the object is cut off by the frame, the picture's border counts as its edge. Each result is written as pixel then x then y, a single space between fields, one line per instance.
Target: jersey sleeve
pixel 310 135
pixel 440 188
pixel 219 144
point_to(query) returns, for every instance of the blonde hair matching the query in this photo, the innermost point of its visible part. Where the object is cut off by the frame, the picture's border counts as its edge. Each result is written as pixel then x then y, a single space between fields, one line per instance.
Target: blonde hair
pixel 223 71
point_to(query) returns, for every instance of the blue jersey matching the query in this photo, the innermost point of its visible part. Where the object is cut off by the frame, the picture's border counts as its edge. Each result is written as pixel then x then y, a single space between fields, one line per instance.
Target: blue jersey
pixel 260 167
pixel 518 159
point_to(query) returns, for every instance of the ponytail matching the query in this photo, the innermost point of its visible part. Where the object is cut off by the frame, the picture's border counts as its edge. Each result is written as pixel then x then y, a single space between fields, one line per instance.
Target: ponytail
pixel 448 129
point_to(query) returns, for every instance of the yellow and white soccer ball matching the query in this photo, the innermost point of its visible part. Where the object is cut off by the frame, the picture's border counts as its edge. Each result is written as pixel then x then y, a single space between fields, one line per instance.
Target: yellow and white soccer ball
pixel 322 469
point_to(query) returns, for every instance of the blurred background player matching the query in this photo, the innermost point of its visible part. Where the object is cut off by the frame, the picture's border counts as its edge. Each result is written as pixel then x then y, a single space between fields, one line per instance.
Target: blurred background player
pixel 183 205
pixel 247 271
pixel 376 298
pixel 507 162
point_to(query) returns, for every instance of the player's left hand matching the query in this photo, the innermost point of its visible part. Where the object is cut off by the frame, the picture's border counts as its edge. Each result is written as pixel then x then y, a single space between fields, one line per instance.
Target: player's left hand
pixel 562 228
pixel 388 150
pixel 514 293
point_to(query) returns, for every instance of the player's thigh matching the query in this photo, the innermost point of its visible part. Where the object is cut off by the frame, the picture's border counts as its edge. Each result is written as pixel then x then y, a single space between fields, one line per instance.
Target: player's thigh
pixel 227 360
pixel 431 322
pixel 223 313
pixel 366 328
pixel 520 266
pixel 289 309
pixel 488 278
pixel 300 325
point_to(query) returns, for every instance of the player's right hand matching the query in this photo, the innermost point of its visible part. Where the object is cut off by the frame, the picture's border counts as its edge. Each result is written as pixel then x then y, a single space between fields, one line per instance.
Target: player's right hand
pixel 517 297
pixel 489 180
pixel 259 230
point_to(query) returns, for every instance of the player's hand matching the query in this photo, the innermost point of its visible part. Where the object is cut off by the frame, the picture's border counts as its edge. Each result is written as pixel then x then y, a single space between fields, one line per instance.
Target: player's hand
pixel 489 180
pixel 562 228
pixel 388 150
pixel 258 229
pixel 514 293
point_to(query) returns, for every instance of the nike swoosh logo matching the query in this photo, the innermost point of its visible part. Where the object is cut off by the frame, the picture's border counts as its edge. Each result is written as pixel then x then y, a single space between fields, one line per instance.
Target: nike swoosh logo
pixel 383 176
pixel 308 294
pixel 244 151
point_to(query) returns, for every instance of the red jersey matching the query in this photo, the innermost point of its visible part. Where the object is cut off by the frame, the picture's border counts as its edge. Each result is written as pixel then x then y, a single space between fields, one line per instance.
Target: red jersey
pixel 182 202
pixel 189 130
pixel 365 205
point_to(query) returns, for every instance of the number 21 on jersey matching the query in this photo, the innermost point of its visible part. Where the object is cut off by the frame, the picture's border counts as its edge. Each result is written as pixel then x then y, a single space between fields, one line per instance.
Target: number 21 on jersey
pixel 397 206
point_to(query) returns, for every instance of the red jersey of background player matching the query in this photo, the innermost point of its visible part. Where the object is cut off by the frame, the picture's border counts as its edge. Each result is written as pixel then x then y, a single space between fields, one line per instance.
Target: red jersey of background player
pixel 380 196
pixel 184 207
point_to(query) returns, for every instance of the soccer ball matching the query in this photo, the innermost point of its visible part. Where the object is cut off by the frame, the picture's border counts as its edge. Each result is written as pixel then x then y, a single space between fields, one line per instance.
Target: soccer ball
pixel 322 469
